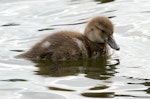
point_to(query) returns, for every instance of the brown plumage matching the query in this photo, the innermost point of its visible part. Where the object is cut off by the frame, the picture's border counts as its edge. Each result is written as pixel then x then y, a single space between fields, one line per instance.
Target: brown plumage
pixel 69 45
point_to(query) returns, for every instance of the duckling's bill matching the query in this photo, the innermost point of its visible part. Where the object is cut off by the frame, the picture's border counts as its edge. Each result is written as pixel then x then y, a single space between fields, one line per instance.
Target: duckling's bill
pixel 112 43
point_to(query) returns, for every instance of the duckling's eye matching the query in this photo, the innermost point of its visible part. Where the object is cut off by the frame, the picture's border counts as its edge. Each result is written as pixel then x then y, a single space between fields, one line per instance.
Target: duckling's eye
pixel 103 31
pixel 106 33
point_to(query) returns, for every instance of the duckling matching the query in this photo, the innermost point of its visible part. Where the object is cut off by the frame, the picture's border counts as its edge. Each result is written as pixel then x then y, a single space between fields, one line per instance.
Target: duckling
pixel 70 45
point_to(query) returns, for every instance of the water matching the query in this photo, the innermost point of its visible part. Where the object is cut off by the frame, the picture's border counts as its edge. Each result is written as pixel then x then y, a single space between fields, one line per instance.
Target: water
pixel 124 76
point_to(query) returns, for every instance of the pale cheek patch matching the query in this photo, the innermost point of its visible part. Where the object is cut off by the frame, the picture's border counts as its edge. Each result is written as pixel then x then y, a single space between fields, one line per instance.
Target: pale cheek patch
pixel 46 44
pixel 99 38
pixel 90 36
pixel 95 37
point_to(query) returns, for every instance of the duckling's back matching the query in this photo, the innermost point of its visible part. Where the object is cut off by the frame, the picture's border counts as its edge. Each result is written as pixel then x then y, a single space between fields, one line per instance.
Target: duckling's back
pixel 63 45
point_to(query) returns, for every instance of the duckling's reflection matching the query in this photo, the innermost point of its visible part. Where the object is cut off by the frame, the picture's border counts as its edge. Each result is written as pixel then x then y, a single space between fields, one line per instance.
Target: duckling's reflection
pixel 93 68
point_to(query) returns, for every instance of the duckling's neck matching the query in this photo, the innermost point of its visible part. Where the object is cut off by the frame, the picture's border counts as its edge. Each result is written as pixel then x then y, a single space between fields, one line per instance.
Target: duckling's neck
pixel 94 47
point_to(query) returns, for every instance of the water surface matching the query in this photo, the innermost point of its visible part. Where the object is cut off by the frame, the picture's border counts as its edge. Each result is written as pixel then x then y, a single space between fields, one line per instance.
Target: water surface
pixel 125 75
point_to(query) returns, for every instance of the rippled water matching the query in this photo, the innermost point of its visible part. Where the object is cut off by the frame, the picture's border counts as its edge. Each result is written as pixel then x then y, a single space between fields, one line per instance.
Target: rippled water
pixel 126 75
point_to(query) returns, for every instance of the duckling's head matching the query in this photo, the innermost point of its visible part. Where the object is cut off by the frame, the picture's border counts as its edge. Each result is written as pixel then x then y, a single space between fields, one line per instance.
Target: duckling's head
pixel 100 29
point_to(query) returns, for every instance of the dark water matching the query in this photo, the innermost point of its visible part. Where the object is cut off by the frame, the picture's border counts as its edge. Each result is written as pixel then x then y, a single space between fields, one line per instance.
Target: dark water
pixel 125 75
